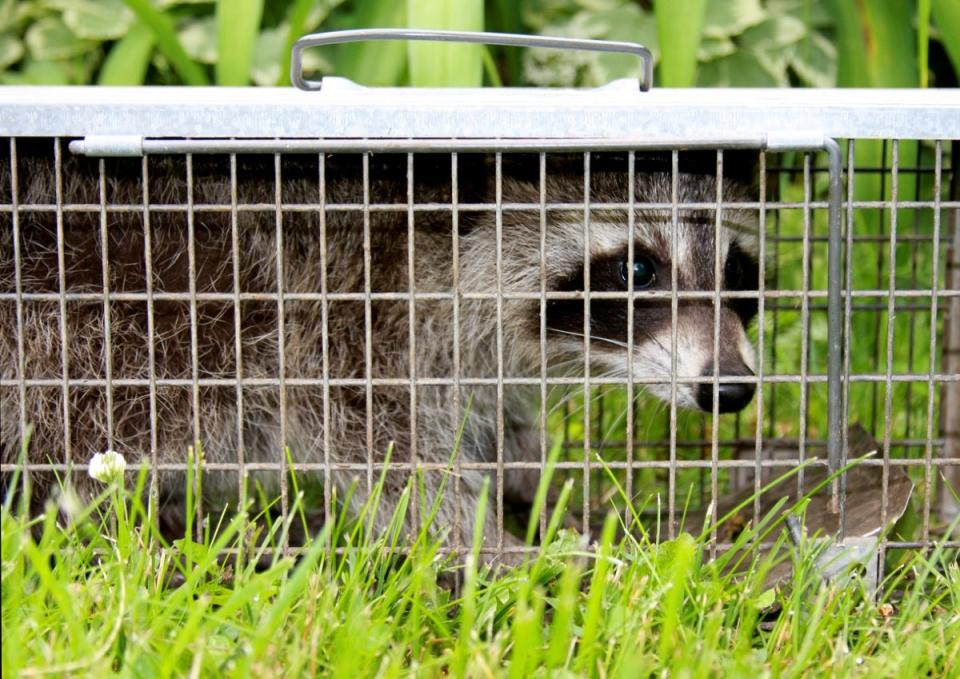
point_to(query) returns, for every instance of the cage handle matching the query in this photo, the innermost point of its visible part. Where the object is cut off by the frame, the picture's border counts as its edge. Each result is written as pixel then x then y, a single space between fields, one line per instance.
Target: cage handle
pixel 475 37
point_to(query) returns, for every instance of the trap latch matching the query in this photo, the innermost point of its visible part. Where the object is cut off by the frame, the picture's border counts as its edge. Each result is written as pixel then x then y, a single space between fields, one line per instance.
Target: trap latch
pixel 473 37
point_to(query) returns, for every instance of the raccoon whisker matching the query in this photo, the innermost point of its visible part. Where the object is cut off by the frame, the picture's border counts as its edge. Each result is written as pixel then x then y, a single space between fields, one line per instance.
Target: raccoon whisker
pixel 616 343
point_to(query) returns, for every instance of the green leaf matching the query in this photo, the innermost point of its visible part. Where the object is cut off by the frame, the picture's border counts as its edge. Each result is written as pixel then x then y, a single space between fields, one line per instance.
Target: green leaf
pixel 628 23
pixel 714 48
pixel 36 72
pixel 742 69
pixel 14 12
pixel 727 18
pixel 548 67
pixel 946 17
pixel 265 69
pixel 49 39
pixel 11 50
pixel 238 24
pixel 435 64
pixel 166 38
pixel 814 60
pixel 129 58
pixel 679 26
pixel 199 39
pixel 774 33
pixel 98 19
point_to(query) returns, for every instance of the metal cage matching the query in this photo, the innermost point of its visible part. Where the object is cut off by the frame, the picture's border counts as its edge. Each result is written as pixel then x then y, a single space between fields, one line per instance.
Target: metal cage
pixel 856 194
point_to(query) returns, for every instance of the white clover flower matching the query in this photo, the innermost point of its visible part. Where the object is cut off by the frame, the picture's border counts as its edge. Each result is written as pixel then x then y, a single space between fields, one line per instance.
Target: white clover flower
pixel 107 467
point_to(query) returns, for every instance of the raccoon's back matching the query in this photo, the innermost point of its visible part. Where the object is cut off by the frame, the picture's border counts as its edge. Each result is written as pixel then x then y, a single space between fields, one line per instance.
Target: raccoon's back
pixel 164 299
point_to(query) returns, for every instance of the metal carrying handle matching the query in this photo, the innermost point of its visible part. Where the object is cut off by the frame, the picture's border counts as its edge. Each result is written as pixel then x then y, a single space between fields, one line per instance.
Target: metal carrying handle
pixel 505 39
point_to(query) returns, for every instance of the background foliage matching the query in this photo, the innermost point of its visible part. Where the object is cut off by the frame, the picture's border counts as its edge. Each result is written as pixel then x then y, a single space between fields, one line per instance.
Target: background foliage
pixel 749 43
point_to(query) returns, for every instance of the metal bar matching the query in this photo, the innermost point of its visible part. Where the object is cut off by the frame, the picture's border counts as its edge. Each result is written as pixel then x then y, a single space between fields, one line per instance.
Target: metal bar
pixel 572 465
pixel 542 189
pixel 652 208
pixel 98 146
pixel 367 323
pixel 194 348
pixel 481 38
pixel 928 481
pixel 500 377
pixel 62 292
pixel 836 450
pixel 238 347
pixel 804 323
pixel 344 111
pixel 785 378
pixel 458 417
pixel 107 330
pixel 891 326
pixel 586 343
pixel 761 333
pixel 328 485
pixel 639 295
pixel 412 348
pixel 715 387
pixel 631 236
pixel 151 342
pixel 281 347
pixel 949 508
pixel 674 315
pixel 18 292
pixel 838 486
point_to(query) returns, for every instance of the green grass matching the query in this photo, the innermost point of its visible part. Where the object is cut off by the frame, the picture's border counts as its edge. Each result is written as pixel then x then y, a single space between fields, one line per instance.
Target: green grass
pixel 94 597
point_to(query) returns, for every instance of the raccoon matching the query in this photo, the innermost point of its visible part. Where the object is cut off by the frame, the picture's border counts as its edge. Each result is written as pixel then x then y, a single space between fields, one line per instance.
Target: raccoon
pixel 485 255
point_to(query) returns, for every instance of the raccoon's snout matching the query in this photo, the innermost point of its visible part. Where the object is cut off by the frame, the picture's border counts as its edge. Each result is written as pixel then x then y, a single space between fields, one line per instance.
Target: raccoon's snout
pixel 731 397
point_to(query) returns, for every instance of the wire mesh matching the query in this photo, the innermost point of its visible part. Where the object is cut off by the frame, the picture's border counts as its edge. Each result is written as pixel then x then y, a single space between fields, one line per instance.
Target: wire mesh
pixel 314 314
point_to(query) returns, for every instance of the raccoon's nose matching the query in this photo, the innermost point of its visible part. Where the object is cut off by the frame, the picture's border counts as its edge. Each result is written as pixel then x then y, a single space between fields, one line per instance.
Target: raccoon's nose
pixel 730 397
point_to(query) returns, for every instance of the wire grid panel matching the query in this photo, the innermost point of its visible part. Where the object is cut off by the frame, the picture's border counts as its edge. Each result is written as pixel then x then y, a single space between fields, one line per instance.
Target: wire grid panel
pixel 463 311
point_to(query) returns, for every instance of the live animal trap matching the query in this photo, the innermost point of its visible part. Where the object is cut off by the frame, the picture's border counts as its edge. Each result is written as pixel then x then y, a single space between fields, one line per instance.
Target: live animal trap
pixel 448 276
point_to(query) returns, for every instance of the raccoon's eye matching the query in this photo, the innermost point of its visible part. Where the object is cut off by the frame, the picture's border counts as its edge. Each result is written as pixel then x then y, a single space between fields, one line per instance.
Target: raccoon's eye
pixel 644 272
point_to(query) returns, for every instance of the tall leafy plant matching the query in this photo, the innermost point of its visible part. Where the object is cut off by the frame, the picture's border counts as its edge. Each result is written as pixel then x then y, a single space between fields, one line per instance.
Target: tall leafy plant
pixel 679 24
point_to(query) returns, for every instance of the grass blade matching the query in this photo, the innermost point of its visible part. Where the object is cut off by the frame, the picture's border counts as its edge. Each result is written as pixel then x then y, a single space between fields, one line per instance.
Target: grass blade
pixel 166 38
pixel 679 25
pixel 238 22
pixel 434 64
pixel 593 616
pixel 129 58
